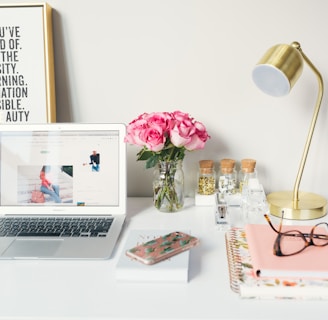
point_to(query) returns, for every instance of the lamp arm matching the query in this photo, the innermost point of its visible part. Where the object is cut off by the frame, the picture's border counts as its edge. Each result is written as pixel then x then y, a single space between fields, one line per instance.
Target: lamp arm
pixel 312 126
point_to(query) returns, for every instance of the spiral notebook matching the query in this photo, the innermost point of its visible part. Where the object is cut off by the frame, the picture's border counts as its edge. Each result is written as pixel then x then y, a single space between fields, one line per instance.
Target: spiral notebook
pixel 310 263
pixel 244 282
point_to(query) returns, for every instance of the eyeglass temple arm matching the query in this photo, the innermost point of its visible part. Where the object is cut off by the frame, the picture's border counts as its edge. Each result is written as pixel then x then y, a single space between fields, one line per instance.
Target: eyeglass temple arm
pixel 308 235
pixel 270 223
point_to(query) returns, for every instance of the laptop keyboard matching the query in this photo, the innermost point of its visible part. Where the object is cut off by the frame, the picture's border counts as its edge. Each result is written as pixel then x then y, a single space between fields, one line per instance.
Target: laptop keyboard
pixel 55 226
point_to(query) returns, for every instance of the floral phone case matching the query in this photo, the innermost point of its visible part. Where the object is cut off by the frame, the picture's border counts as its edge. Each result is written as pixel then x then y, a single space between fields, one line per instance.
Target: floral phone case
pixel 162 248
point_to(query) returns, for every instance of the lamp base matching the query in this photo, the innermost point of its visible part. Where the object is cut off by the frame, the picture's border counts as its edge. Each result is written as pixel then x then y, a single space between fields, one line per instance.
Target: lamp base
pixel 309 206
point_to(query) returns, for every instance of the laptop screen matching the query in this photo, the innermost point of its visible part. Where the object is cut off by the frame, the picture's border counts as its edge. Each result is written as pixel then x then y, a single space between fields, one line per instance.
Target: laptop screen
pixel 71 165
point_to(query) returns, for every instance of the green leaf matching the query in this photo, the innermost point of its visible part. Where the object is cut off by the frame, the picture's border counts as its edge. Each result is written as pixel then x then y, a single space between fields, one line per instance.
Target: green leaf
pixel 152 161
pixel 144 154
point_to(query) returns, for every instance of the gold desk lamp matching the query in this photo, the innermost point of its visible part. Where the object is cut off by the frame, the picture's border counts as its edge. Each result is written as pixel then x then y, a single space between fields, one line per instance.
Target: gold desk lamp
pixel 275 74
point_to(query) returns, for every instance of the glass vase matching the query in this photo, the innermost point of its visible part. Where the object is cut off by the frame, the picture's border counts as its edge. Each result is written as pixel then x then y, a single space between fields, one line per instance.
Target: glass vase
pixel 168 186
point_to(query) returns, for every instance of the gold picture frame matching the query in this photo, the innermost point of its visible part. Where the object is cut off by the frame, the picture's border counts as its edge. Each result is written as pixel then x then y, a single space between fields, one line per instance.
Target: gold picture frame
pixel 27 76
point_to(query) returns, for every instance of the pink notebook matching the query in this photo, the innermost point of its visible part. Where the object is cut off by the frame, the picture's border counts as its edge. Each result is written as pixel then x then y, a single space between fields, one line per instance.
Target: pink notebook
pixel 310 263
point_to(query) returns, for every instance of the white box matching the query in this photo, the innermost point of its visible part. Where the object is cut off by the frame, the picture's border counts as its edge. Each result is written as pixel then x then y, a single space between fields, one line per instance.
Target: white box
pixel 204 200
pixel 174 269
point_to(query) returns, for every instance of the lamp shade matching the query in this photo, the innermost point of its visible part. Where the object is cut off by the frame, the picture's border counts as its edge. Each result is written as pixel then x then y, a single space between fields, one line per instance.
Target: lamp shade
pixel 278 70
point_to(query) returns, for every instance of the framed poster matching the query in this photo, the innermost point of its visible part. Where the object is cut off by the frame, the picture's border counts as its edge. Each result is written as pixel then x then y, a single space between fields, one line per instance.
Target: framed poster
pixel 27 80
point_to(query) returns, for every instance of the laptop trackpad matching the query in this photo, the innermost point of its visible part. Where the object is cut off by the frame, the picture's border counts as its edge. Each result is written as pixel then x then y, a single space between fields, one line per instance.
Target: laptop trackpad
pixel 33 248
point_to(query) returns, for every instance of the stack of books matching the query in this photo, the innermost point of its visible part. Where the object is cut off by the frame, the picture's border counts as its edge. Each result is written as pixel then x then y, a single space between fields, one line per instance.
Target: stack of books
pixel 255 272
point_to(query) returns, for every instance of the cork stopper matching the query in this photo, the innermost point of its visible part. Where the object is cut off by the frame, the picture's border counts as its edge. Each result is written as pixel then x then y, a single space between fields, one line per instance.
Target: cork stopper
pixel 206 166
pixel 227 165
pixel 248 165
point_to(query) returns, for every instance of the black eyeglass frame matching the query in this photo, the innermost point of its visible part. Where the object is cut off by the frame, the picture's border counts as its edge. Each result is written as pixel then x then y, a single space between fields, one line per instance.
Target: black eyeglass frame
pixel 296 233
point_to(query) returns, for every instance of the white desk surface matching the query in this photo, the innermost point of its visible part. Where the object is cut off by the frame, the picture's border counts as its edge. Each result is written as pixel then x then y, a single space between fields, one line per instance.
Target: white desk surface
pixel 88 289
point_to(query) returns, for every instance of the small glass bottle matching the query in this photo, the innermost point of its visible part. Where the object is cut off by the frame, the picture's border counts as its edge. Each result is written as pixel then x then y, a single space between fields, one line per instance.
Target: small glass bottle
pixel 247 172
pixel 206 177
pixel 227 178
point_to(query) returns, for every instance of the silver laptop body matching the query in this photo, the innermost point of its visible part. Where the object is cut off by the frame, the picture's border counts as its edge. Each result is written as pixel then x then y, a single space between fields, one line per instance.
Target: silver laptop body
pixel 71 175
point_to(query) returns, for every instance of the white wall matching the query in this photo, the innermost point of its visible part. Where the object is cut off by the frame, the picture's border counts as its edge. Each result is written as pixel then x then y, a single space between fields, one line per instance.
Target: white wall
pixel 116 59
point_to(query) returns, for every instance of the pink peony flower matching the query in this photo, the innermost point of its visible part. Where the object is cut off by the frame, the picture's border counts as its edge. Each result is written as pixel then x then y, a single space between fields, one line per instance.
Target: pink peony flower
pixel 153 137
pixel 135 131
pixel 160 118
pixel 165 136
pixel 199 138
pixel 181 133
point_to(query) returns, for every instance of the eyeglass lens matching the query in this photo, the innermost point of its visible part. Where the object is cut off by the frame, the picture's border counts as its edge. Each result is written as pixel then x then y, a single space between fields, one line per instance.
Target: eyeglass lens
pixel 320 234
pixel 294 241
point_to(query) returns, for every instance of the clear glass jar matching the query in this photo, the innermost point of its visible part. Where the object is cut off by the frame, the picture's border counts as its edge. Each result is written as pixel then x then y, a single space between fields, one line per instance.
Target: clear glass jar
pixel 247 171
pixel 168 186
pixel 206 177
pixel 227 177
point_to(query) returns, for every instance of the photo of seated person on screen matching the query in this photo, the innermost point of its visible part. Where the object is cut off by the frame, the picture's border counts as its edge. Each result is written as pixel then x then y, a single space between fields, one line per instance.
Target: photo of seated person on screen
pixel 47 187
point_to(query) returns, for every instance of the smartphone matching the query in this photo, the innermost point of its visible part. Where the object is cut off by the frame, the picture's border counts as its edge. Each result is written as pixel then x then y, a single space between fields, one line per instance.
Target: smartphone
pixel 162 248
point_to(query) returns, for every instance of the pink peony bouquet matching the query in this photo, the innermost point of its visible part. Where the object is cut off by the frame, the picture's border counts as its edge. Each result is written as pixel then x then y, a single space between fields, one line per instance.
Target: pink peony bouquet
pixel 165 136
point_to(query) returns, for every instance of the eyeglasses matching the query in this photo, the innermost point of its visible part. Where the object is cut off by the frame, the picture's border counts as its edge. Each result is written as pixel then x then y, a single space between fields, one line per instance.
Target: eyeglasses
pixel 294 241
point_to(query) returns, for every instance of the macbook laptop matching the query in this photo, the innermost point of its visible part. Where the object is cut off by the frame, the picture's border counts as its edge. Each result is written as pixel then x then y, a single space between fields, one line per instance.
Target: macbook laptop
pixel 62 190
